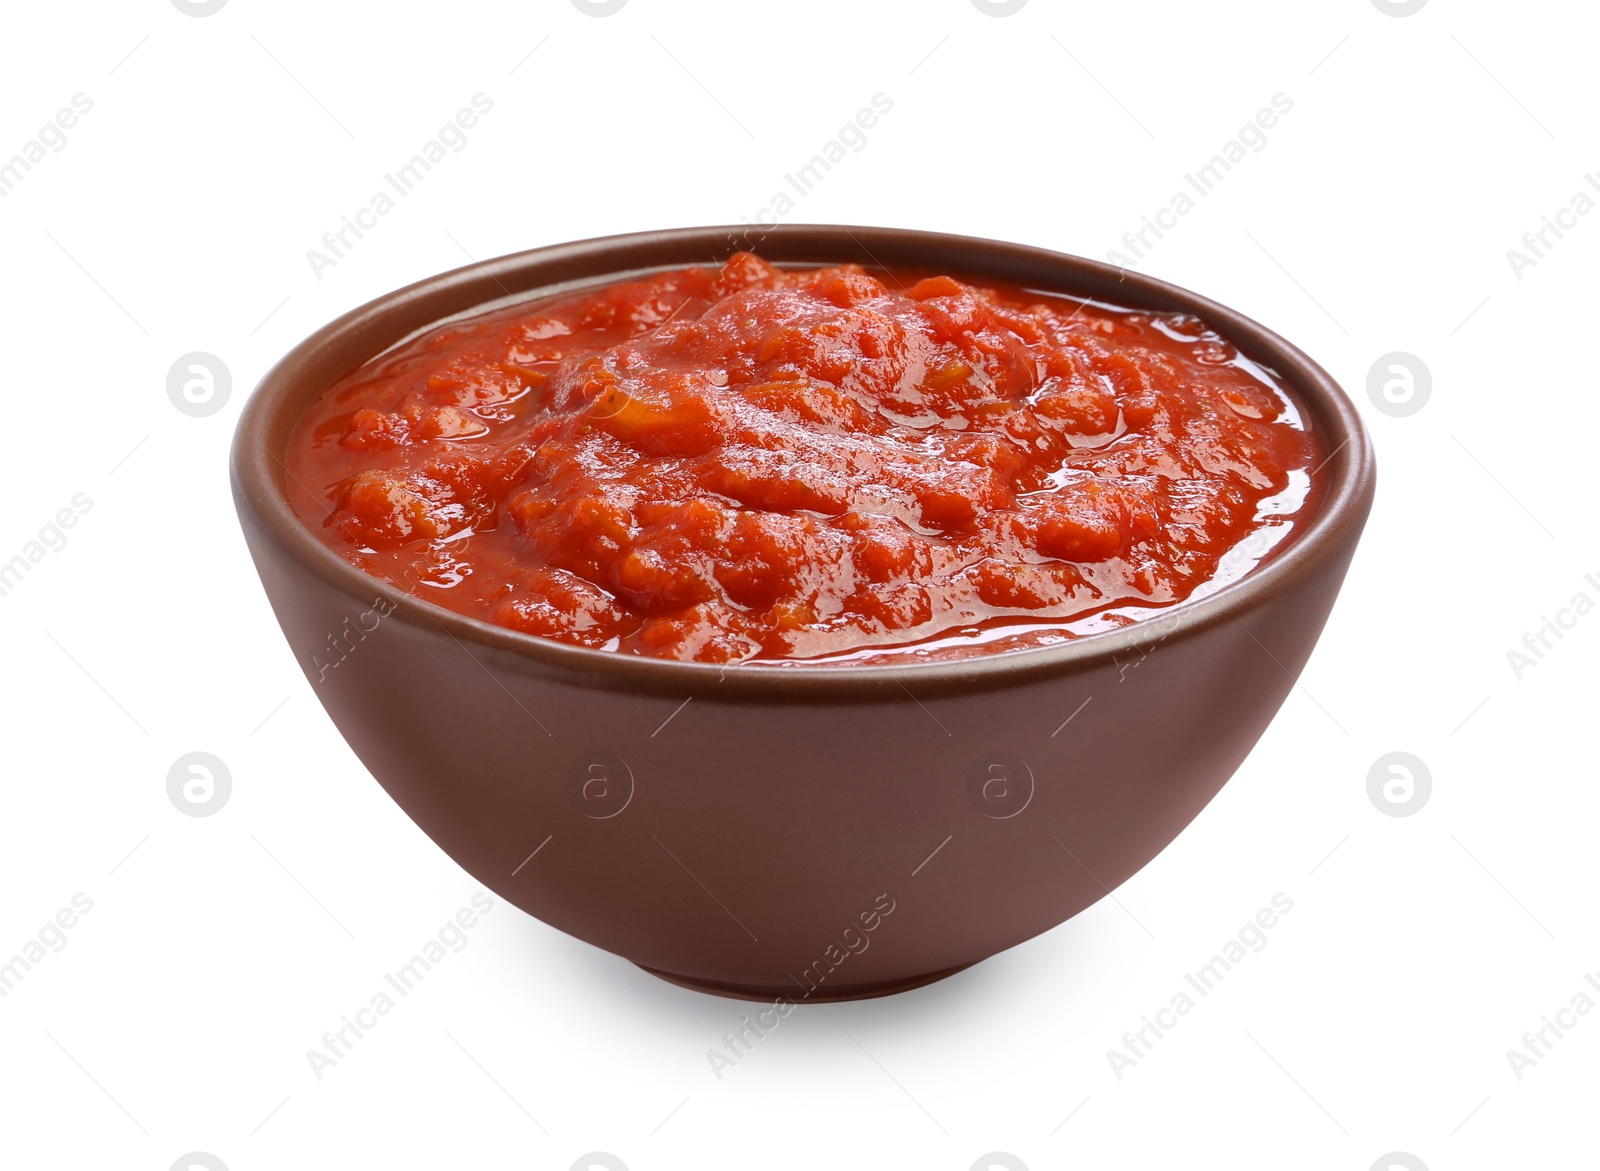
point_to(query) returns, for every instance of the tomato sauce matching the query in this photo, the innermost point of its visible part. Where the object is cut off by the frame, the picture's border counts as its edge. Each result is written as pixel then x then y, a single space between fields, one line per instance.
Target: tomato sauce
pixel 823 465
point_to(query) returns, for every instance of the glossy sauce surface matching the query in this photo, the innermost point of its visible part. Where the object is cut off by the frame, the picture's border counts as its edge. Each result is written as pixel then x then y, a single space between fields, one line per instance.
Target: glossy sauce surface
pixel 823 465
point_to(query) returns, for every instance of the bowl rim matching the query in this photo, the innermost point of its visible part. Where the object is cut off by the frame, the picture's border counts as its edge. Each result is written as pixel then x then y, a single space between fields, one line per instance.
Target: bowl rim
pixel 258 484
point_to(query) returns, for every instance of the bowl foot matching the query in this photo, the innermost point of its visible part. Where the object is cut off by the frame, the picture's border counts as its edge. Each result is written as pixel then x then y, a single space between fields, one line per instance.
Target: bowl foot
pixel 796 993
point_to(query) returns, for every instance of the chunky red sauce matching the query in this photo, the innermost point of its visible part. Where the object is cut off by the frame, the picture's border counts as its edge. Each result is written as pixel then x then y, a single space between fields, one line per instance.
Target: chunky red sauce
pixel 755 463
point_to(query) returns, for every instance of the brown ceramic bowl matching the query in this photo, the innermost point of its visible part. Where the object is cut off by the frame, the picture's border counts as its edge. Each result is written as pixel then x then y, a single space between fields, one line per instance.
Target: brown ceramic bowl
pixel 813 833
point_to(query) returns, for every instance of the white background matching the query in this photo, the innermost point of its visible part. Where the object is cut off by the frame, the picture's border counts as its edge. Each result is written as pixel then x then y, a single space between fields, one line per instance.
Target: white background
pixel 1378 217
